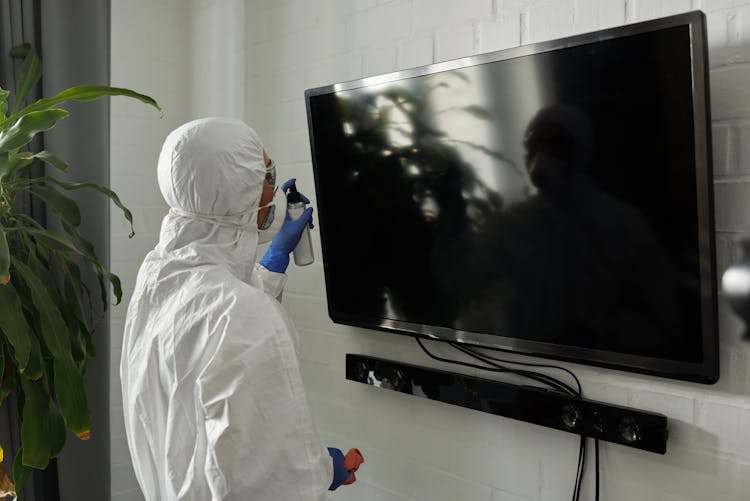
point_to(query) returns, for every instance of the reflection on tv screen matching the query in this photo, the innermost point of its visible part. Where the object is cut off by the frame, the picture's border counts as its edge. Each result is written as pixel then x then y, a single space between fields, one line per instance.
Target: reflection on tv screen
pixel 549 197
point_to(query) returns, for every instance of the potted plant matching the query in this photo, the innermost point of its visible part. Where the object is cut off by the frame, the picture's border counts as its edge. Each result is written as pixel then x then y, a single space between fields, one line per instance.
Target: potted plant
pixel 46 322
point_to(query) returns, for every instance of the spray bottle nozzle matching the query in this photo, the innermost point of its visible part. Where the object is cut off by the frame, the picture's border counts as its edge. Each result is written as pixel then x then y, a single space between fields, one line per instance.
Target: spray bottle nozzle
pixel 293 196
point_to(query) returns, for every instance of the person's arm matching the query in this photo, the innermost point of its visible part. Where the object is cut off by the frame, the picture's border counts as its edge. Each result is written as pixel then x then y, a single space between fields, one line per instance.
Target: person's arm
pixel 270 271
pixel 276 258
pixel 269 281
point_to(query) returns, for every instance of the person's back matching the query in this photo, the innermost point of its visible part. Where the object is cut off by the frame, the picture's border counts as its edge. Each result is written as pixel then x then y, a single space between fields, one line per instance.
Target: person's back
pixel 213 399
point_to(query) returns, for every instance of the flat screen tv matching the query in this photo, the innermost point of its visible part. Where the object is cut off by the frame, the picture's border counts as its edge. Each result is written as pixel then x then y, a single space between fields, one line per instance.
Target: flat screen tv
pixel 553 199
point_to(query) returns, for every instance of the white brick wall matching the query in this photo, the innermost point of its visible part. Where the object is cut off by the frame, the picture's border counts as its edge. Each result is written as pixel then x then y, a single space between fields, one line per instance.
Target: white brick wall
pixel 150 55
pixel 417 449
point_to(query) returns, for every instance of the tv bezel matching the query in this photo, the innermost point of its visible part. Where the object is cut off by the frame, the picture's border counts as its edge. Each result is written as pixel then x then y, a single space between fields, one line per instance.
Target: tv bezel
pixel 706 372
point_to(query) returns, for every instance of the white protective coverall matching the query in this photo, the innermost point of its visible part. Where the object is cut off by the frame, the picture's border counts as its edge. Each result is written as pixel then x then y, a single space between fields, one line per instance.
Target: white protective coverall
pixel 212 395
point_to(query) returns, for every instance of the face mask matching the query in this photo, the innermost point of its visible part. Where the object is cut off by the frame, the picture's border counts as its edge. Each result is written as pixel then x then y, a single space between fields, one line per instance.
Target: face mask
pixel 275 219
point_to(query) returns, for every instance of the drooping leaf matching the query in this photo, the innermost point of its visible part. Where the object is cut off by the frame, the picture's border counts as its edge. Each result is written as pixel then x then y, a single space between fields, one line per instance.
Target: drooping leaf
pixel 71 394
pixel 6 383
pixel 59 242
pixel 84 93
pixel 28 126
pixel 65 207
pixel 21 473
pixel 3 104
pixel 53 330
pixel 20 51
pixel 69 387
pixel 90 256
pixel 87 339
pixel 53 240
pixel 42 427
pixel 4 259
pixel 43 271
pixel 19 161
pixel 73 275
pixel 31 72
pixel 4 165
pixel 26 158
pixel 52 160
pixel 14 326
pixel 34 369
pixel 101 189
pixel 77 348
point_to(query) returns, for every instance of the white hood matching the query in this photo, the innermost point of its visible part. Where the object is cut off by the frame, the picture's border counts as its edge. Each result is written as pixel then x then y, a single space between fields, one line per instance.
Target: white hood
pixel 212 395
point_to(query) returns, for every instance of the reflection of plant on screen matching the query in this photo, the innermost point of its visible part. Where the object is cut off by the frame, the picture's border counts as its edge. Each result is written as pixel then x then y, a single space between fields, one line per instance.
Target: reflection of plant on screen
pixel 395 128
pixel 421 180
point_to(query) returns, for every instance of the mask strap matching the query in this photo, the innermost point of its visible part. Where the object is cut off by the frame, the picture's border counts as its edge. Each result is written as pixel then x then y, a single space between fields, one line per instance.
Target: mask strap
pixel 223 221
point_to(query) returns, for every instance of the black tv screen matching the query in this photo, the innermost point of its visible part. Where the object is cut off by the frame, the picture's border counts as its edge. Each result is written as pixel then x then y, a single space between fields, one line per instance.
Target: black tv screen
pixel 552 199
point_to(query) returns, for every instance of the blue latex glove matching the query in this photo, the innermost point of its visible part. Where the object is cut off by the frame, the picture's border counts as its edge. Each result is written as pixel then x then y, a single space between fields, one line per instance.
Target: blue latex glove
pixel 340 474
pixel 276 258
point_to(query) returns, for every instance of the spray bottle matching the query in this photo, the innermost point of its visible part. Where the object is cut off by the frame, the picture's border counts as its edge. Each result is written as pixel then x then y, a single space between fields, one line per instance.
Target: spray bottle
pixel 303 253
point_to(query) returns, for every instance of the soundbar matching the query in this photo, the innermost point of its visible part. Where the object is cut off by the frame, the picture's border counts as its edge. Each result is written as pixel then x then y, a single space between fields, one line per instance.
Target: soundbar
pixel 543 407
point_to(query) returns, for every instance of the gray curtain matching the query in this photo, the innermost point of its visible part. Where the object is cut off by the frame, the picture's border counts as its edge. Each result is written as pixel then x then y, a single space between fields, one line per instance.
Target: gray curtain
pixel 76 51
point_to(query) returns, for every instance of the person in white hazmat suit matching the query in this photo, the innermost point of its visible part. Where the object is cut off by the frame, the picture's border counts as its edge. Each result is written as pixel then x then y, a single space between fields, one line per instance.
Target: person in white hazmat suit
pixel 212 394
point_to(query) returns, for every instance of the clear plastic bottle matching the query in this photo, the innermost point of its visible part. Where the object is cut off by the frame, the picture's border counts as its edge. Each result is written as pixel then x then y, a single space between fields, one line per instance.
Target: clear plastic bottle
pixel 303 253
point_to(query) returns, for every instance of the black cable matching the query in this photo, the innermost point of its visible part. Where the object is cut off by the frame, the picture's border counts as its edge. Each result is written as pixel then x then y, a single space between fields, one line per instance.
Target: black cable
pixel 490 360
pixel 549 380
pixel 581 469
pixel 596 451
pixel 545 379
pixel 531 375
pixel 527 364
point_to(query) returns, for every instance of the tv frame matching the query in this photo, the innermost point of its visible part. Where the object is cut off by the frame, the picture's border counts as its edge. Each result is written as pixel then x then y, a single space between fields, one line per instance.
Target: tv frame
pixel 706 372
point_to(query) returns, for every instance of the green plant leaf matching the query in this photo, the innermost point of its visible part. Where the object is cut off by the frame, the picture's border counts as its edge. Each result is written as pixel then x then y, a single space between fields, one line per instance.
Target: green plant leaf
pixel 73 290
pixel 34 369
pixel 71 394
pixel 20 51
pixel 4 165
pixel 69 387
pixel 31 72
pixel 4 390
pixel 4 259
pixel 84 93
pixel 59 242
pixel 101 189
pixel 53 240
pixel 52 160
pixel 53 329
pixel 42 270
pixel 88 341
pixel 14 326
pixel 21 472
pixel 65 207
pixel 18 161
pixel 26 158
pixel 42 427
pixel 3 104
pixel 29 125
pixel 89 254
pixel 72 275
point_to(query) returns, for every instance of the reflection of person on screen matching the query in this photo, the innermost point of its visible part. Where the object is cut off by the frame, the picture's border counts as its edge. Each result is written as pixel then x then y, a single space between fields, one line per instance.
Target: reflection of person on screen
pixel 572 264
